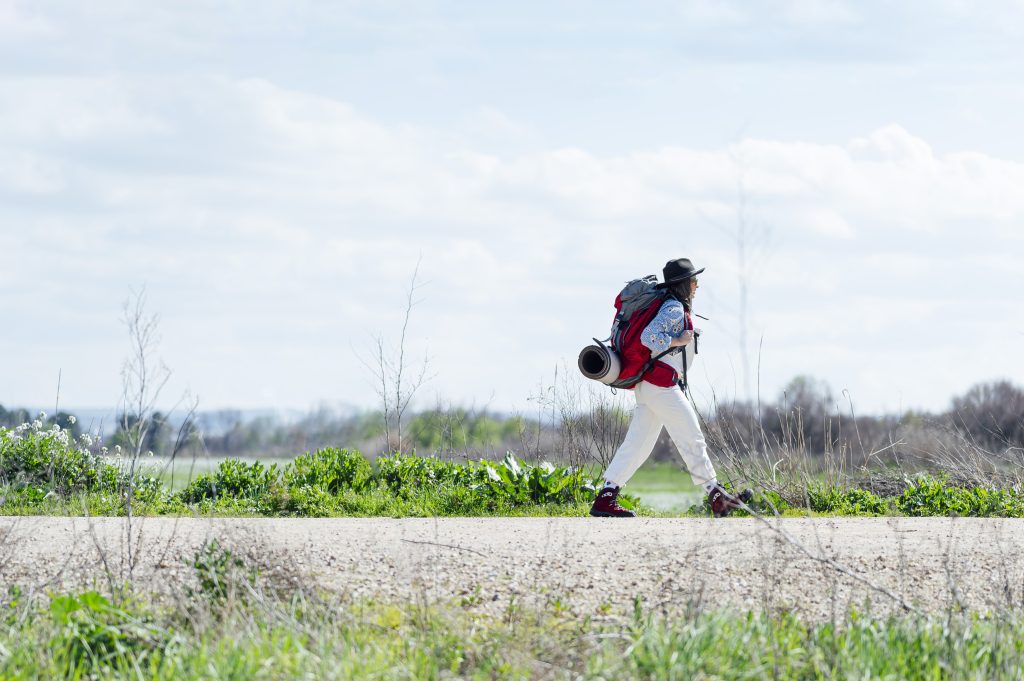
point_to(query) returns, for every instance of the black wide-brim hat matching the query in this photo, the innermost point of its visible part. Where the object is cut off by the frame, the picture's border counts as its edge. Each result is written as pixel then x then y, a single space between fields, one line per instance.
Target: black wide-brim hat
pixel 679 270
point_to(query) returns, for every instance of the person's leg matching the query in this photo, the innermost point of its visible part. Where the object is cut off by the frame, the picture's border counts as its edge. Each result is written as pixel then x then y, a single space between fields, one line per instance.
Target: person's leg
pixel 639 442
pixel 673 409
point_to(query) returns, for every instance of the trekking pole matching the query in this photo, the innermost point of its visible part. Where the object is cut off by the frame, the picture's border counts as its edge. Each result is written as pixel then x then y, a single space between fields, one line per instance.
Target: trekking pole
pixel 685 378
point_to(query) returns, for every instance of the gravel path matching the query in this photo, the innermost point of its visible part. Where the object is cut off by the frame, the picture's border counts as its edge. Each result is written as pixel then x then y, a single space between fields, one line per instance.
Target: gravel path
pixel 583 564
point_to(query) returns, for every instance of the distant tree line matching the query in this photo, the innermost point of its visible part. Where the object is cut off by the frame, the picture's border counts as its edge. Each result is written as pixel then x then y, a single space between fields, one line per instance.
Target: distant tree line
pixel 806 415
pixel 454 431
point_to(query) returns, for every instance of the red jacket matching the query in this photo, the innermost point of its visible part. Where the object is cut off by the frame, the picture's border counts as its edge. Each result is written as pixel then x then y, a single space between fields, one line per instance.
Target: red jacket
pixel 634 355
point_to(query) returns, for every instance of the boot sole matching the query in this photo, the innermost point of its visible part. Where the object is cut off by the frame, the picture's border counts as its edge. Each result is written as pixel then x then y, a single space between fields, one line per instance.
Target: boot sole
pixel 602 514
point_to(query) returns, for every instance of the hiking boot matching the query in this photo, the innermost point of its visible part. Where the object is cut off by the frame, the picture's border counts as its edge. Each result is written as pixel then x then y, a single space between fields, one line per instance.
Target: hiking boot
pixel 723 503
pixel 605 505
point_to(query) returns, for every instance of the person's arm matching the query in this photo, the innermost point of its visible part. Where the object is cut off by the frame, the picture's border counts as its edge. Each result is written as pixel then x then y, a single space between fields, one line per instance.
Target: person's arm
pixel 666 329
pixel 680 341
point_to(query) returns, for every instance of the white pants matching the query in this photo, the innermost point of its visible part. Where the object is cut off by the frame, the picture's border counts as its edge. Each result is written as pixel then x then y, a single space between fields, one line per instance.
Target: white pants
pixel 657 407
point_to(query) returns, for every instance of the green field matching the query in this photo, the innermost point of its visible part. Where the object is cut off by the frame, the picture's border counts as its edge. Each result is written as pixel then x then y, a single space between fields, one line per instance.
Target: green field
pixel 665 487
pixel 229 626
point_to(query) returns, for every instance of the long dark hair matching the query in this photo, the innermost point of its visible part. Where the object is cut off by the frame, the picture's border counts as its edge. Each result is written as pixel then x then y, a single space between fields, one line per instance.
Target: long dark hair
pixel 683 292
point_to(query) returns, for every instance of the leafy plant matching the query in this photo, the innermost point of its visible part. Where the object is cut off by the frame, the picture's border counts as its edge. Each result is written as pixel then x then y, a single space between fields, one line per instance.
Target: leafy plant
pixel 93 632
pixel 936 496
pixel 518 482
pixel 220 572
pixel 53 460
pixel 332 470
pixel 771 502
pixel 403 474
pixel 233 479
pixel 310 501
pixel 833 499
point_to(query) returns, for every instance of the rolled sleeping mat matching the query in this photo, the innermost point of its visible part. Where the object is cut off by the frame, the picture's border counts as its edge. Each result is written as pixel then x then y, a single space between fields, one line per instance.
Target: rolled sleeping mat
pixel 600 363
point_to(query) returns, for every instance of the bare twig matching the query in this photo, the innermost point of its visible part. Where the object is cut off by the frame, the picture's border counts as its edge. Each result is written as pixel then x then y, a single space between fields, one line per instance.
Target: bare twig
pixel 390 371
pixel 829 562
pixel 445 546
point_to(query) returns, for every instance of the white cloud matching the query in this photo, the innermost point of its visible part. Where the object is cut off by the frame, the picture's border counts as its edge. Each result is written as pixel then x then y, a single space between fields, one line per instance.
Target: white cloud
pixel 819 12
pixel 282 228
pixel 16 23
pixel 712 12
pixel 47 110
pixel 803 13
pixel 825 221
pixel 28 173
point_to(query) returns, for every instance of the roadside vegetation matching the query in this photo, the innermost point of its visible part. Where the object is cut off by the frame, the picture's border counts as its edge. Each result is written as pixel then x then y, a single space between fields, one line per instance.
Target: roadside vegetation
pixel 229 618
pixel 51 471
pixel 47 470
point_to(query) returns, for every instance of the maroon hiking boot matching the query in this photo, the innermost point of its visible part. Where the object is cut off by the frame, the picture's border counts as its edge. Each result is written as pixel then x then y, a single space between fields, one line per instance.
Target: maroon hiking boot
pixel 723 503
pixel 605 505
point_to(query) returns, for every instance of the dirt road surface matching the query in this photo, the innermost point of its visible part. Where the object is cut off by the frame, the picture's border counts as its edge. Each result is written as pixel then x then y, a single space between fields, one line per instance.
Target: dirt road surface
pixel 816 567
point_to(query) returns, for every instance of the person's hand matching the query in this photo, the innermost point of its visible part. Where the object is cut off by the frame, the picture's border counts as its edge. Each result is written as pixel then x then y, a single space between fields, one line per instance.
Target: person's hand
pixel 682 340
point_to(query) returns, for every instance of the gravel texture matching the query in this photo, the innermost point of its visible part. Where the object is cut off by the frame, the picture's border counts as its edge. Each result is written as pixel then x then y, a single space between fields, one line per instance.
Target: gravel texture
pixel 585 565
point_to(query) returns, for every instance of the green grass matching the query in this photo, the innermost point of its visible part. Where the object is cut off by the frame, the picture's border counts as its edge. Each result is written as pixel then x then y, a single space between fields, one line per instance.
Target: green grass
pixel 663 488
pixel 666 488
pixel 217 631
pixel 237 620
pixel 48 472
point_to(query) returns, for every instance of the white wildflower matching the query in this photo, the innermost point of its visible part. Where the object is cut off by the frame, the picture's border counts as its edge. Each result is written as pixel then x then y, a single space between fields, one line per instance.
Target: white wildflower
pixel 37 424
pixel 42 416
pixel 72 420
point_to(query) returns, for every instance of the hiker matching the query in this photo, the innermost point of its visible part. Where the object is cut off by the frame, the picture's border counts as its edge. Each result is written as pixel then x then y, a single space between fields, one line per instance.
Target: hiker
pixel 661 401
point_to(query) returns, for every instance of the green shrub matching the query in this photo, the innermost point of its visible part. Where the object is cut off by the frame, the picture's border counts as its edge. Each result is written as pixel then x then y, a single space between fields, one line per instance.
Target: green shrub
pixel 310 501
pixel 405 474
pixel 332 470
pixel 771 502
pixel 520 483
pixel 52 460
pixel 833 499
pixel 201 488
pixel 234 479
pixel 862 502
pixel 928 496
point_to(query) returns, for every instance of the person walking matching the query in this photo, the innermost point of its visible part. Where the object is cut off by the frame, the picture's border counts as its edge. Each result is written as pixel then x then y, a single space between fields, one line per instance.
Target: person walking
pixel 661 401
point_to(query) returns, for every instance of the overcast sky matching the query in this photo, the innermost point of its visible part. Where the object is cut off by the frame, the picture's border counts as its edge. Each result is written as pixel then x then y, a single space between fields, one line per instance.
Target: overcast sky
pixel 272 172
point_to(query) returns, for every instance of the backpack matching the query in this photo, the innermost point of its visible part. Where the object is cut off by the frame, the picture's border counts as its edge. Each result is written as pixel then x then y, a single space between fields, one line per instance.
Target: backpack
pixel 628 361
pixel 636 305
